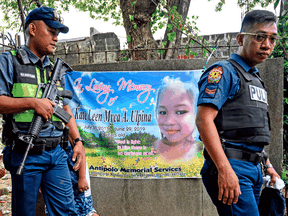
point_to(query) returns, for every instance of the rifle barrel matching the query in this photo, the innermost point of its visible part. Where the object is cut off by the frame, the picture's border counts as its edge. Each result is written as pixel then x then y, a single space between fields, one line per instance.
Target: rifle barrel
pixel 21 166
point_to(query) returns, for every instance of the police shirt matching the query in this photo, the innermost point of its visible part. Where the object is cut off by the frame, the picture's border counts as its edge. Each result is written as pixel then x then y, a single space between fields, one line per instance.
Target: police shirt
pixel 6 82
pixel 220 82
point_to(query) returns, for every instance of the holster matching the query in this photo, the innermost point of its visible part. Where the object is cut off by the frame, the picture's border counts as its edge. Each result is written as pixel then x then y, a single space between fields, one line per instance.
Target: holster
pixel 238 154
pixel 64 143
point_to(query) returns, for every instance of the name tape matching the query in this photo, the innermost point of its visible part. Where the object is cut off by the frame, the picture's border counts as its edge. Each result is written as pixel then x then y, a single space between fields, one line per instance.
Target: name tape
pixel 27 75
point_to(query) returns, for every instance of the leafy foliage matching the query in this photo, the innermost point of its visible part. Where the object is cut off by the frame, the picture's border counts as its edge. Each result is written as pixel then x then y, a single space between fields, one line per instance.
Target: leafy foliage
pixel 248 4
pixel 164 13
pixel 102 9
pixel 167 16
pixel 281 50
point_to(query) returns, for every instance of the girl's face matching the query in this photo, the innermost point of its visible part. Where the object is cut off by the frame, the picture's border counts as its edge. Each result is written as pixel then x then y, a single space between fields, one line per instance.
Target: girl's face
pixel 176 118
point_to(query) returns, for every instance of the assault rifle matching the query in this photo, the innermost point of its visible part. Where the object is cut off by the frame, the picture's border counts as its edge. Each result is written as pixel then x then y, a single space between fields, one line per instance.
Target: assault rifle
pixel 50 92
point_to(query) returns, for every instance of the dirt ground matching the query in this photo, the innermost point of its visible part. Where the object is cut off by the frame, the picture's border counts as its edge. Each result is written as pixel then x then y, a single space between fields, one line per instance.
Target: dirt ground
pixel 5 191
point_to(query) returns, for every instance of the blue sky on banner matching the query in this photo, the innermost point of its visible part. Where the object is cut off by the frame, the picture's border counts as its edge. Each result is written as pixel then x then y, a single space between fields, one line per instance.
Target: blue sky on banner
pixel 119 101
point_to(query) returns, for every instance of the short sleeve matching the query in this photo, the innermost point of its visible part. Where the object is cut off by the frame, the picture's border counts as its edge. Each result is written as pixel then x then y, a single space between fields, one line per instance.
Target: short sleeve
pixel 218 83
pixel 6 73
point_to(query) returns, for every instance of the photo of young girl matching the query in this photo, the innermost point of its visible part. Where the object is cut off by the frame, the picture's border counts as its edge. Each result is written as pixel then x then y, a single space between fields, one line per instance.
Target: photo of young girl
pixel 175 113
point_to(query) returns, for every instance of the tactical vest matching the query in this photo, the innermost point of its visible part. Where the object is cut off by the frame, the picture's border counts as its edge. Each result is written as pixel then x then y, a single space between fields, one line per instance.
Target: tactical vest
pixel 245 118
pixel 26 79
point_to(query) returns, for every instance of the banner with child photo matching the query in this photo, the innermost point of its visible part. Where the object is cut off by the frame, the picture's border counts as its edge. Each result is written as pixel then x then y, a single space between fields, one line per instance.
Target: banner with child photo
pixel 138 124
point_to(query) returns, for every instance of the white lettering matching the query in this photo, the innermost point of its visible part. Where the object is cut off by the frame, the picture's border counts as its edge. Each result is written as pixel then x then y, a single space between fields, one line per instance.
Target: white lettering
pixel 27 75
pixel 258 94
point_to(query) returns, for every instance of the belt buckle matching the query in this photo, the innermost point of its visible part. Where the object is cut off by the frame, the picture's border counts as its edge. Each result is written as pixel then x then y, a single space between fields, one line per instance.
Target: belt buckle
pixel 258 158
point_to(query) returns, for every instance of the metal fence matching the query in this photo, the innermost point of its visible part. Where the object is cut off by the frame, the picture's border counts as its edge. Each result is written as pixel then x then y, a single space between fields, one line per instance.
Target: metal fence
pixel 7 43
pixel 86 51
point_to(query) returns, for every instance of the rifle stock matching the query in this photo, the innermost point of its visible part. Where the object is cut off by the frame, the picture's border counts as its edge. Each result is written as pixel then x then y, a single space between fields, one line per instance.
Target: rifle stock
pixel 52 93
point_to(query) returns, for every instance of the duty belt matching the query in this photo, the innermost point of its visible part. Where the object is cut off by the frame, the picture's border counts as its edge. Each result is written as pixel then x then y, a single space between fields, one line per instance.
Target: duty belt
pixel 50 142
pixel 40 145
pixel 239 154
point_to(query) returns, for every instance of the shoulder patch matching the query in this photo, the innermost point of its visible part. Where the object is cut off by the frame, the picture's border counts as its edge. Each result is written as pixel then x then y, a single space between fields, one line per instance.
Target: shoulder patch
pixel 212 91
pixel 215 75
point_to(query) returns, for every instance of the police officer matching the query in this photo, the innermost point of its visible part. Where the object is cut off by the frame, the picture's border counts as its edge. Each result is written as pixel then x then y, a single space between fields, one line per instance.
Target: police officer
pixel 233 122
pixel 21 71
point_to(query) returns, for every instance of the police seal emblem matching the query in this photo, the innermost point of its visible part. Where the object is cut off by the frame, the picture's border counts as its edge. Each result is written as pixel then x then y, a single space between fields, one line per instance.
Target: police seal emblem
pixel 215 75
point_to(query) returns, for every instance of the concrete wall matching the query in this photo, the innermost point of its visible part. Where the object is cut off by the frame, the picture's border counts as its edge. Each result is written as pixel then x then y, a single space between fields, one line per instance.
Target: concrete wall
pixel 87 50
pixel 105 47
pixel 226 44
pixel 180 197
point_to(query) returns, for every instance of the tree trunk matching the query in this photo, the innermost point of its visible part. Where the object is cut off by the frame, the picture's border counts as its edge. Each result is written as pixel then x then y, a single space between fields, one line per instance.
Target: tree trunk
pixel 182 9
pixel 283 6
pixel 136 19
pixel 22 16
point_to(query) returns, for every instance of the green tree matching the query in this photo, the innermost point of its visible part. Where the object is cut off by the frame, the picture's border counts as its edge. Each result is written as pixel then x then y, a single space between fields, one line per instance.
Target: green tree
pixel 140 18
pixel 134 15
pixel 178 10
pixel 247 5
pixel 281 50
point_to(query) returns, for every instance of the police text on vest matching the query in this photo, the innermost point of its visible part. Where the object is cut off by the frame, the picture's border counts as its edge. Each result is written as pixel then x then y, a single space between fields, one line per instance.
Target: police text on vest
pixel 258 94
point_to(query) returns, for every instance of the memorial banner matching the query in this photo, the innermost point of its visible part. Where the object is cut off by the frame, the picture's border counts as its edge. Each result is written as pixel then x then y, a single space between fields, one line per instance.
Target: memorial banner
pixel 138 124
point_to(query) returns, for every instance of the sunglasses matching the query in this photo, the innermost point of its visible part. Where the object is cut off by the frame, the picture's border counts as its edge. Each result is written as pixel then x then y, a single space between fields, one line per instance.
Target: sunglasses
pixel 261 37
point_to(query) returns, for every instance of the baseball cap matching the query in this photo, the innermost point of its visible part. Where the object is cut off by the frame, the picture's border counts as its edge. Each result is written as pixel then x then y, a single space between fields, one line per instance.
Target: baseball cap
pixel 49 16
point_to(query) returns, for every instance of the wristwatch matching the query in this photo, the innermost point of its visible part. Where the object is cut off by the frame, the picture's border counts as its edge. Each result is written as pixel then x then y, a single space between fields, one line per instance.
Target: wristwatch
pixel 268 166
pixel 78 139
